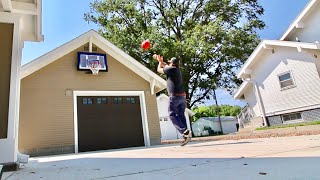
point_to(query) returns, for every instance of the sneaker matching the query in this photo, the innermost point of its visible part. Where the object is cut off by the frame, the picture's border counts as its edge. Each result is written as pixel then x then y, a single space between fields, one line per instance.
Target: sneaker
pixel 186 137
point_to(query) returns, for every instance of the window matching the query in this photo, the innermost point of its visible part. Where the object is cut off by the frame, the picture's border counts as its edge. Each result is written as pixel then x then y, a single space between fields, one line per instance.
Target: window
pixel 130 100
pixel 163 119
pixel 87 101
pixel 291 117
pixel 286 80
pixel 117 100
pixel 102 101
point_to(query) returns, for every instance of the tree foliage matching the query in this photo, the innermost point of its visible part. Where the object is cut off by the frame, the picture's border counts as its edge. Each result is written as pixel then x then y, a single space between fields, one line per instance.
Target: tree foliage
pixel 211 111
pixel 191 30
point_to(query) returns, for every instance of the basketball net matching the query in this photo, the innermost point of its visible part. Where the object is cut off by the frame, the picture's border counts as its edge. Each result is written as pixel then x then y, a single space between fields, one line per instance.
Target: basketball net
pixel 95 67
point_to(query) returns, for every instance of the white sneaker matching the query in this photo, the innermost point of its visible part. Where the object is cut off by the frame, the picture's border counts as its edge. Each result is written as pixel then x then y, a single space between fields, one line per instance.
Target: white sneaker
pixel 186 138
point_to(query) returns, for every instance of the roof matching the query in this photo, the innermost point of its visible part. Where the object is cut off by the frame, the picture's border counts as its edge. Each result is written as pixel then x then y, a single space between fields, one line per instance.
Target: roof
pixel 190 112
pixel 30 13
pixel 241 89
pixel 269 44
pixel 254 57
pixel 102 43
pixel 297 23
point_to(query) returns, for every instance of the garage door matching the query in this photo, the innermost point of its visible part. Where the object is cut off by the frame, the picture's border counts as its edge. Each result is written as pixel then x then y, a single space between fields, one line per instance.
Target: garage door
pixel 109 123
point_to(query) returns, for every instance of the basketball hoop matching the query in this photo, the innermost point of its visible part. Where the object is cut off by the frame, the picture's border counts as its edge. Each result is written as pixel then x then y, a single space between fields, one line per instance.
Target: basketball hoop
pixel 95 66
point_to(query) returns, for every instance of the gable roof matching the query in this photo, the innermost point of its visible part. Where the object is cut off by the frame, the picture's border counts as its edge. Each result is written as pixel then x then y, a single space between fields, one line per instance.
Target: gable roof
pixel 268 44
pixel 191 113
pixel 106 46
pixel 311 6
pixel 239 92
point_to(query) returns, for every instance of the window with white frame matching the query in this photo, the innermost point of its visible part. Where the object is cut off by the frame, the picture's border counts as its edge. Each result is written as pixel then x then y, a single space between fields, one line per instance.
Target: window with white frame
pixel 164 119
pixel 286 80
pixel 291 117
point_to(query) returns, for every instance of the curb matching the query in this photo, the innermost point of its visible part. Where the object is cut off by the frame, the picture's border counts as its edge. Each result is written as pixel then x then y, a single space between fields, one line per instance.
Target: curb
pixel 252 135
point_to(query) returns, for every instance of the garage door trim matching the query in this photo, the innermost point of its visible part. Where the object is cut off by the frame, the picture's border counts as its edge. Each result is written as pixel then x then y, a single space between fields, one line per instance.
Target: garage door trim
pixel 112 93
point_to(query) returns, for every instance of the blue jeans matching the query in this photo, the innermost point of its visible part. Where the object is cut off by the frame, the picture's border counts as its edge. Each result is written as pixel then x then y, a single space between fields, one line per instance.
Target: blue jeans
pixel 177 106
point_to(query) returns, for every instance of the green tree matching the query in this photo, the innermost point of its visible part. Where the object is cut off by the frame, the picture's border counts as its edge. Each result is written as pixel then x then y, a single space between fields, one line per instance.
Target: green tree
pixel 211 111
pixel 235 110
pixel 202 111
pixel 191 30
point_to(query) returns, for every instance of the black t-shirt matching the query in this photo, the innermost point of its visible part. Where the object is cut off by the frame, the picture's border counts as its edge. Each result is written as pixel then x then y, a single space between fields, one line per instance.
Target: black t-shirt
pixel 174 79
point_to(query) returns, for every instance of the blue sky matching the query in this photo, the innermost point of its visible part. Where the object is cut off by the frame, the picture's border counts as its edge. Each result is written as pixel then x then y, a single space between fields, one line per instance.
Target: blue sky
pixel 63 21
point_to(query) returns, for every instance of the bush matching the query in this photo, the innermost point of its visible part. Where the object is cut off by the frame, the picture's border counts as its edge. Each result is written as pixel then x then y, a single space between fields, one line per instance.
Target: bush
pixel 211 111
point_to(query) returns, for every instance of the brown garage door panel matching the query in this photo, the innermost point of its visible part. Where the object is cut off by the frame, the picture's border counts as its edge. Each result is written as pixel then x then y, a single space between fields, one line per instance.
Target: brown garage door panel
pixel 115 124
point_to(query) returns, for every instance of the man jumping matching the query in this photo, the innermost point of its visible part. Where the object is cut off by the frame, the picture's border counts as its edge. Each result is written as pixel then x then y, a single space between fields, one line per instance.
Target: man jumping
pixel 177 96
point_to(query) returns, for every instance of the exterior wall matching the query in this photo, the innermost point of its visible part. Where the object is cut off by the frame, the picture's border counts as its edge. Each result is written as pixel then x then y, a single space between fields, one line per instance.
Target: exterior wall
pixel 168 131
pixel 252 101
pixel 46 114
pixel 153 117
pixel 305 74
pixel 274 120
pixel 307 116
pixel 6 31
pixel 197 127
pixel 311 115
pixel 20 23
pixel 228 126
pixel 163 107
pixel 9 145
pixel 311 25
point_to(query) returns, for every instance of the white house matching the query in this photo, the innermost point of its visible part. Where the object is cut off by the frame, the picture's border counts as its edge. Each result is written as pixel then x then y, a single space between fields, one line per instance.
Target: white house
pixel 20 21
pixel 229 125
pixel 168 131
pixel 281 78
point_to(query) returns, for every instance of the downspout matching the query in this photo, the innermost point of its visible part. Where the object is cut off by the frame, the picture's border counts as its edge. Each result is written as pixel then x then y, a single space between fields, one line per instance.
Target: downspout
pixel 260 102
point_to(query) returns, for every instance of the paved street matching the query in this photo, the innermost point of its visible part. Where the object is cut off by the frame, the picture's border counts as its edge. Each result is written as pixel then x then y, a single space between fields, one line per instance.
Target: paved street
pixel 269 158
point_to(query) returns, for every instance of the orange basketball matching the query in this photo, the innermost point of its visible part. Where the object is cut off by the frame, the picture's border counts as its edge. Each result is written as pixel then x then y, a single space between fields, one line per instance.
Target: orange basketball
pixel 146 44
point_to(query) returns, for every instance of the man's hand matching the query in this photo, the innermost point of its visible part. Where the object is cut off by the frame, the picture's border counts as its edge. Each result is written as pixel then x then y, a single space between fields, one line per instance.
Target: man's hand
pixel 158 58
pixel 161 63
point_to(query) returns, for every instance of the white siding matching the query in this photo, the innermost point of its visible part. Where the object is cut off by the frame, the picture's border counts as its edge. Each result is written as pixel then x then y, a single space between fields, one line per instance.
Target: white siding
pixel 252 101
pixel 228 125
pixel 168 131
pixel 311 26
pixel 198 126
pixel 162 107
pixel 305 74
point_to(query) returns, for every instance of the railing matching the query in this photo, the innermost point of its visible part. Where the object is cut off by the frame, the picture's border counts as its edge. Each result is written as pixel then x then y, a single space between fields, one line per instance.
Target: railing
pixel 245 116
pixel 1 170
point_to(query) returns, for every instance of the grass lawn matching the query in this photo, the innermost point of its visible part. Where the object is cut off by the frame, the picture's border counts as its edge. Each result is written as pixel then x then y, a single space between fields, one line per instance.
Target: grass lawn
pixel 290 125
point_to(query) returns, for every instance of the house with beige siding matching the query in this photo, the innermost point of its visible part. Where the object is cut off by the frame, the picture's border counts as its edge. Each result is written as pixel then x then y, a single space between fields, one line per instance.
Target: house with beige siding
pixel 281 78
pixel 67 110
pixel 20 21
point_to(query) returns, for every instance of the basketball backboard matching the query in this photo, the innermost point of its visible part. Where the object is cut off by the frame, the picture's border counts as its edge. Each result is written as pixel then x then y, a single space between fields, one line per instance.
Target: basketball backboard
pixel 86 60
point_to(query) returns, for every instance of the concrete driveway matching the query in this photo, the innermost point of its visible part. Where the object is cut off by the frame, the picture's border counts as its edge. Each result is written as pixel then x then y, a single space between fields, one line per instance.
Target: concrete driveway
pixel 269 158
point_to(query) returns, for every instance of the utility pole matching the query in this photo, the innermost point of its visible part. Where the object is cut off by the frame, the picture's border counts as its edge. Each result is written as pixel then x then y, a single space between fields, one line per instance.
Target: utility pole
pixel 218 111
